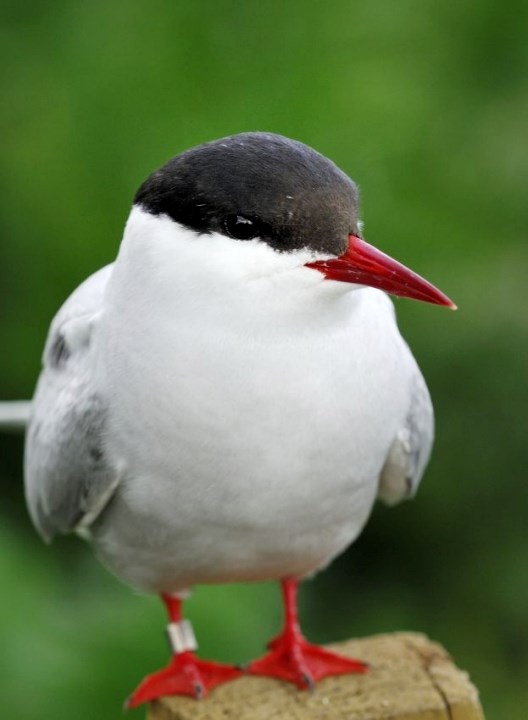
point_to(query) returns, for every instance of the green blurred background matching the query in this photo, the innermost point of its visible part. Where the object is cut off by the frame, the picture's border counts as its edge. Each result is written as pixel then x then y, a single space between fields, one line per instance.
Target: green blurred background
pixel 425 105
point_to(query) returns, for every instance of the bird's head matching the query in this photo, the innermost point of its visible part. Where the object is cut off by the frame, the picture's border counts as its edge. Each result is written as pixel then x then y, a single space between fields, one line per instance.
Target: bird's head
pixel 257 205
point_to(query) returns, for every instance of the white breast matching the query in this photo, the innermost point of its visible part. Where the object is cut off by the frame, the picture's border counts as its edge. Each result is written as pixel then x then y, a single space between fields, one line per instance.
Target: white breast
pixel 252 403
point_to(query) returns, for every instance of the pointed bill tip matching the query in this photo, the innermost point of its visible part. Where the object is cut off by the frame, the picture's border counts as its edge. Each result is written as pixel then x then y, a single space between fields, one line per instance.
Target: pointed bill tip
pixel 363 264
pixel 437 297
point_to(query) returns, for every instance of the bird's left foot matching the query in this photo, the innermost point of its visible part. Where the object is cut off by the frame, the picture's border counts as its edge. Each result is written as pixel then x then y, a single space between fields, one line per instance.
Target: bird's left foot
pixel 294 659
pixel 185 675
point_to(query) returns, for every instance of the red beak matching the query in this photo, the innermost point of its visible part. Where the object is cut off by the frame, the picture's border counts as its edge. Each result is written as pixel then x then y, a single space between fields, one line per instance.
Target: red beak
pixel 364 265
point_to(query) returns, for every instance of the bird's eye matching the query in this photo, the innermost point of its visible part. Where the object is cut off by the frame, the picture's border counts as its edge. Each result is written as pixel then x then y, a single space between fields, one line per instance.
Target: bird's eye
pixel 241 228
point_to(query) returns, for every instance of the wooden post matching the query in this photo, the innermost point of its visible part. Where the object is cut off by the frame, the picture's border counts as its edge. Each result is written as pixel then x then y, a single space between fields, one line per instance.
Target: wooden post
pixel 411 678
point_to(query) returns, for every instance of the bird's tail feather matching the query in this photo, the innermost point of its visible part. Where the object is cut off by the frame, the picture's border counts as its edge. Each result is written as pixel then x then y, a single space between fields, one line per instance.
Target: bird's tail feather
pixel 14 415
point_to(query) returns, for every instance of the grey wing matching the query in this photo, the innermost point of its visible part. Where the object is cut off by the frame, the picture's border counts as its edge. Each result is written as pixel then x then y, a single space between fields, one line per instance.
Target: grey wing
pixel 68 478
pixel 411 448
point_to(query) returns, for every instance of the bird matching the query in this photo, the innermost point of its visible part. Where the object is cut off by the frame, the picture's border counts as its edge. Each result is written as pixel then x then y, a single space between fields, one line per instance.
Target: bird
pixel 228 399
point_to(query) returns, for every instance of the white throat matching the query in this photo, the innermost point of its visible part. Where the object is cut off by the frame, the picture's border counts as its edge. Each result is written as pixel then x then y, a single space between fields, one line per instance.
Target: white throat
pixel 169 268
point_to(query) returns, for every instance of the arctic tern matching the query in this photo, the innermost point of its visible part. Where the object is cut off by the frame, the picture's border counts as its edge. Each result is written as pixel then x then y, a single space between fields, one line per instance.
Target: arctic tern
pixel 227 400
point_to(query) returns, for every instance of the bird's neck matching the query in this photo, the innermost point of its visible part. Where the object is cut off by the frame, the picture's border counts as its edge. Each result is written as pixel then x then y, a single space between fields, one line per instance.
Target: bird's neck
pixel 165 271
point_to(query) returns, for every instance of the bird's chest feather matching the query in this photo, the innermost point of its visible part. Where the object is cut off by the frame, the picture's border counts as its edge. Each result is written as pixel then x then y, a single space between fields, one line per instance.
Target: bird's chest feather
pixel 242 421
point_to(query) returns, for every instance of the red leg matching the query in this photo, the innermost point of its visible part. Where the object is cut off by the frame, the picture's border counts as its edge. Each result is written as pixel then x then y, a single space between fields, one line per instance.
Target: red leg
pixel 186 674
pixel 294 659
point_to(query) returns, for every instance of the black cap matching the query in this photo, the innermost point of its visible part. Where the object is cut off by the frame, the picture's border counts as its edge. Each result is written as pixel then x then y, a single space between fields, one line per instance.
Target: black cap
pixel 257 185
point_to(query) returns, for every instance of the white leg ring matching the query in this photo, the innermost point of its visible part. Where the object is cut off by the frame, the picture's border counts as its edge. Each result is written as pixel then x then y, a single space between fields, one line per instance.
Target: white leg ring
pixel 181 637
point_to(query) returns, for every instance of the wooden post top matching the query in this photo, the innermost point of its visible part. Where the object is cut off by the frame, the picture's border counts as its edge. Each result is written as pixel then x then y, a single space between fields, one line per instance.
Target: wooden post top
pixel 411 678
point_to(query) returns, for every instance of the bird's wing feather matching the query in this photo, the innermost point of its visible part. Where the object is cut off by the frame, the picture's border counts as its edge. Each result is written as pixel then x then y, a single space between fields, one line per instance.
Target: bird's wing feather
pixel 68 477
pixel 411 448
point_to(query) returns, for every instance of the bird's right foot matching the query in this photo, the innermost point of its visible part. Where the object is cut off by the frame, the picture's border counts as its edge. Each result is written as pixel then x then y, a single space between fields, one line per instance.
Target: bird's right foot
pixel 185 675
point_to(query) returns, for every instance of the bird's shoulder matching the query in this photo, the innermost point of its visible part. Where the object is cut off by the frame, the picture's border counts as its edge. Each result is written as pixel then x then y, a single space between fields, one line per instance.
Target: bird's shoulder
pixel 71 328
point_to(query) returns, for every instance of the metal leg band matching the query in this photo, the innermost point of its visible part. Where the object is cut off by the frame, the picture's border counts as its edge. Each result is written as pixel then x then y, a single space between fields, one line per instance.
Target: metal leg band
pixel 181 637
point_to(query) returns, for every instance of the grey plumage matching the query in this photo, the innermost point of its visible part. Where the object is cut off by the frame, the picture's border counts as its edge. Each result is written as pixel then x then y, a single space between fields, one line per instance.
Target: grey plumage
pixel 68 477
pixel 410 451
